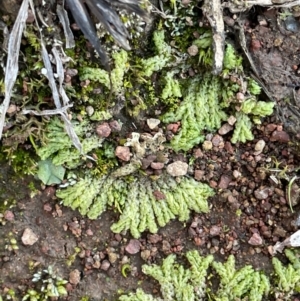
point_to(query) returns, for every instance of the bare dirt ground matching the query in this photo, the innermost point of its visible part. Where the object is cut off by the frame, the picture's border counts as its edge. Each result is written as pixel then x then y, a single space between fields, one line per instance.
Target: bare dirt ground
pixel 248 215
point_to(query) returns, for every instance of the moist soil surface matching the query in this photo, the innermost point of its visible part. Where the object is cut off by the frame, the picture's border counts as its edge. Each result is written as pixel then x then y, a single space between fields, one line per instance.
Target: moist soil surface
pixel 250 212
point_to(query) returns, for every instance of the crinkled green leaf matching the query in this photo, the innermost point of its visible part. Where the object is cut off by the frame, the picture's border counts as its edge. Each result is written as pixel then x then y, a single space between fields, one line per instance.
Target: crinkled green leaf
pixel 49 173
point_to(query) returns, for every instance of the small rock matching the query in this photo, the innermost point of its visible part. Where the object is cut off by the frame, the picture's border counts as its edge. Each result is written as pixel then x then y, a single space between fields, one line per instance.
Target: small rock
pixel 278 231
pixel 259 146
pixel 157 165
pixel 159 195
pixel 270 127
pixel 74 277
pixel 262 194
pixel 280 136
pixel 96 264
pixel 217 140
pixel 105 264
pixel 262 21
pixel 145 254
pixel 199 174
pixel 47 207
pixel 213 184
pixel 49 192
pixel 112 257
pixel 154 238
pixel 166 246
pixel 224 182
pixel 233 202
pixel 125 259
pixel 207 145
pixel 29 237
pixel 12 109
pixel 9 216
pixel 231 120
pixel 103 130
pixel 89 110
pixel 173 127
pixel 123 153
pixel 89 232
pixel 215 230
pixel 147 161
pixel 153 123
pixel 255 240
pixel 228 147
pixel 71 72
pixel 225 129
pixel 255 45
pixel 177 168
pixel 133 247
pixel 115 126
pixel 198 153
pixel 229 21
pixel 237 174
pixel 240 96
pixel 193 50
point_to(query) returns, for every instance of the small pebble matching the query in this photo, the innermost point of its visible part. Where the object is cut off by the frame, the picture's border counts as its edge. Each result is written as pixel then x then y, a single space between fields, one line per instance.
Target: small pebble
pixel 105 265
pixel 123 153
pixel 103 130
pixel 193 50
pixel 74 277
pixel 153 123
pixel 259 146
pixel 231 120
pixel 177 168
pixel 225 129
pixel 255 240
pixel 29 237
pixel 133 247
pixel 262 194
pixel 89 110
pixel 145 254
pixel 9 216
pixel 280 136
pixel 207 145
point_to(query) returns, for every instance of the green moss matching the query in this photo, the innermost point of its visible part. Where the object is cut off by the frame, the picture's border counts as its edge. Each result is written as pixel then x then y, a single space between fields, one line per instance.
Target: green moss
pixel 199 111
pixel 22 161
pixel 58 147
pixel 134 199
pixel 242 283
pixel 208 100
pixel 287 280
pixel 184 284
pixel 106 160
pixel 181 283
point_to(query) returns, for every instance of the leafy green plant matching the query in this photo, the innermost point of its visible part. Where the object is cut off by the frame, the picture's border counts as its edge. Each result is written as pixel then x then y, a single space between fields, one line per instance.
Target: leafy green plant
pixel 134 198
pixel 208 99
pixel 238 284
pixel 194 283
pixel 189 284
pixel 49 173
pixel 57 146
pixel 48 286
pixel 287 280
pixel 102 76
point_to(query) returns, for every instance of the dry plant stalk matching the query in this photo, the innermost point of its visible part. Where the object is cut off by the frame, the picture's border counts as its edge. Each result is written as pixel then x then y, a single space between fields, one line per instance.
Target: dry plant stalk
pixel 14 43
pixel 214 13
pixel 11 76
